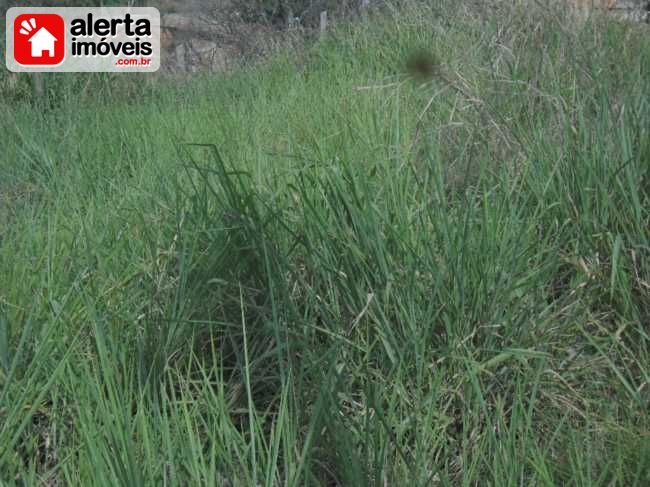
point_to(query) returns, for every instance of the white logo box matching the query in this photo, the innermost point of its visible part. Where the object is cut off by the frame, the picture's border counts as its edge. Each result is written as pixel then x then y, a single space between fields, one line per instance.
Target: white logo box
pixel 86 53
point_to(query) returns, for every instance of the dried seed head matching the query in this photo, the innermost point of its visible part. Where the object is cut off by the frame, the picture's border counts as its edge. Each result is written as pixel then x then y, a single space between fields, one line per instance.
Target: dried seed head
pixel 422 65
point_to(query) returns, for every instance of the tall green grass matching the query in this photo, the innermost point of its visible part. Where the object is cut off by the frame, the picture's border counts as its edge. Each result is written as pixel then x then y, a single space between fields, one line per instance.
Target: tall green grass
pixel 321 271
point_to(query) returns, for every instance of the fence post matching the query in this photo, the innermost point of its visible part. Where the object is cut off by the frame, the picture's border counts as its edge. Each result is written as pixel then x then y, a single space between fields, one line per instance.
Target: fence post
pixel 323 23
pixel 364 8
pixel 39 86
pixel 180 56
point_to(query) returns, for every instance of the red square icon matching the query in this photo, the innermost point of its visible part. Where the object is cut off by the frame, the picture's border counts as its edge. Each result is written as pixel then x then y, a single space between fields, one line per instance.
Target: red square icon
pixel 39 39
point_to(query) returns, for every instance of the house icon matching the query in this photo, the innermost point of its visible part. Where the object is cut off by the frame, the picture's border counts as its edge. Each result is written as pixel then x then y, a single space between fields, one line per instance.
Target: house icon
pixel 42 41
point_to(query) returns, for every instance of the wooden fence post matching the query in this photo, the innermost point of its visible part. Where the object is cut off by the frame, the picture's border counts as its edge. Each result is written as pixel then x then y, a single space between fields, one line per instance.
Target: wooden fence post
pixel 363 9
pixel 323 23
pixel 39 85
pixel 180 56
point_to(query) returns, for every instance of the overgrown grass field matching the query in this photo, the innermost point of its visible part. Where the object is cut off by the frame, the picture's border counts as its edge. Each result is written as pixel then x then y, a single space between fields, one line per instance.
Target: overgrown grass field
pixel 415 253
